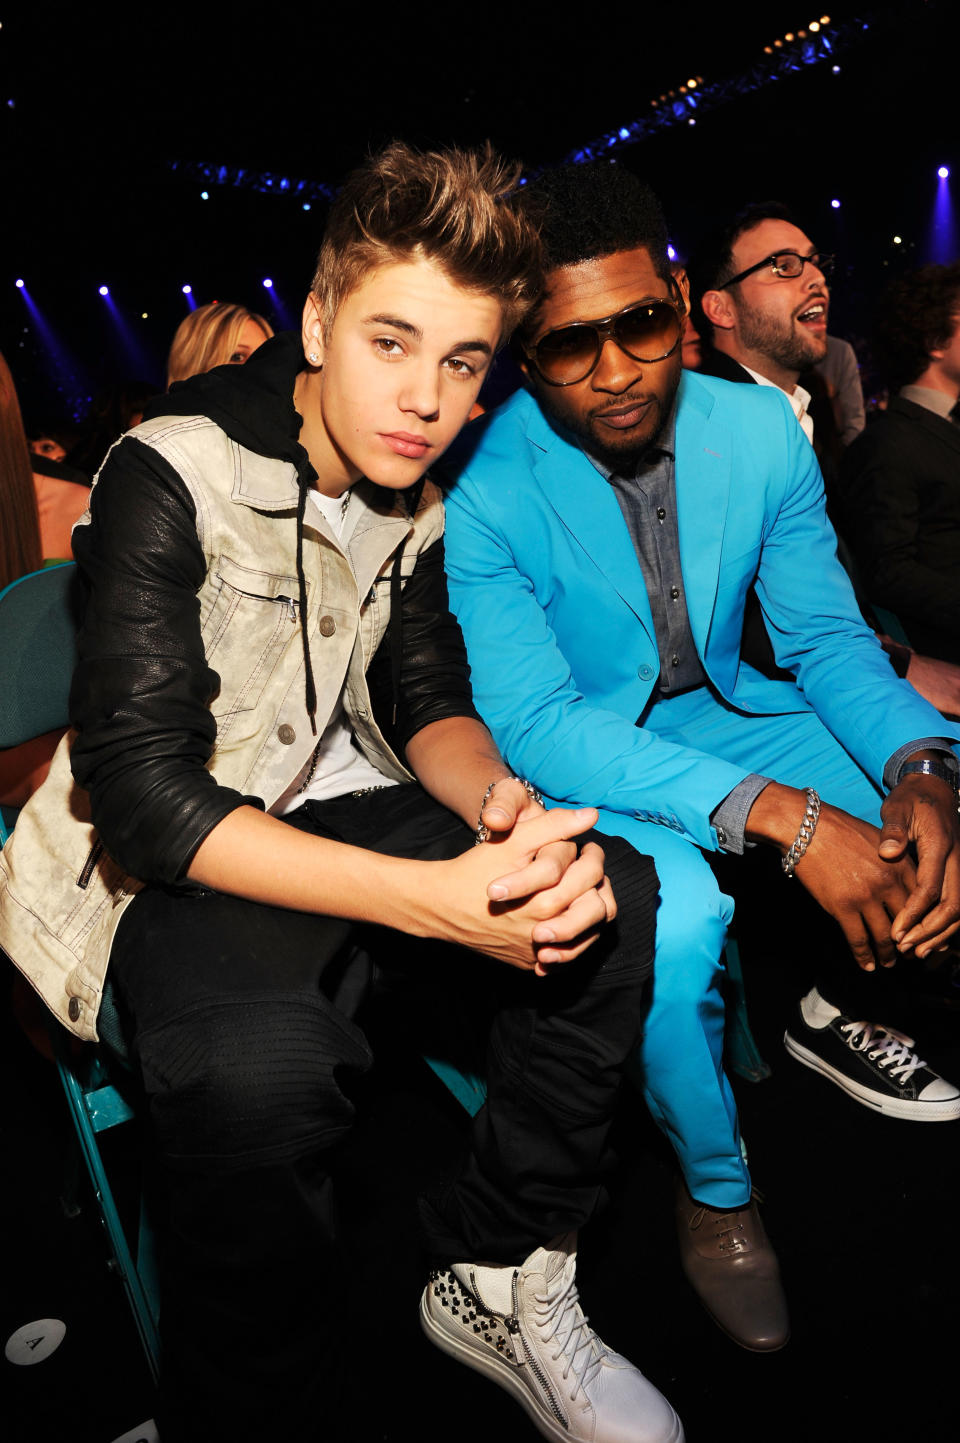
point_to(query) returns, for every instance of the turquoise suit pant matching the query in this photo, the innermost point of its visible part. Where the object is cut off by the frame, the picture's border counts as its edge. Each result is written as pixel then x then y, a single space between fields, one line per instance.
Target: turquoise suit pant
pixel 681 1055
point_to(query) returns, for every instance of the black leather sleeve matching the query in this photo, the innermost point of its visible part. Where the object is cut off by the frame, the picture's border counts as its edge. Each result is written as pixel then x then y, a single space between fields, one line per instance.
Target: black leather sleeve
pixel 434 674
pixel 141 693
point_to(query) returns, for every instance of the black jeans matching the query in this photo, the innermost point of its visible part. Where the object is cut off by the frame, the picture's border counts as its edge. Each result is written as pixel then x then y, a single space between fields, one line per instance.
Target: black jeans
pixel 240 1021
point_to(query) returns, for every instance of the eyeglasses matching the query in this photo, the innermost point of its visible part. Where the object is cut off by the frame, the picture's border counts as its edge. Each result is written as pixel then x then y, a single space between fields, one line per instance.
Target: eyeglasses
pixel 647 331
pixel 788 265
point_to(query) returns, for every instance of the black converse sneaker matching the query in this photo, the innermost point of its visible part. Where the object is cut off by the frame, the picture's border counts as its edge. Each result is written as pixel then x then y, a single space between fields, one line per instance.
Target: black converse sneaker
pixel 876 1065
pixel 524 1329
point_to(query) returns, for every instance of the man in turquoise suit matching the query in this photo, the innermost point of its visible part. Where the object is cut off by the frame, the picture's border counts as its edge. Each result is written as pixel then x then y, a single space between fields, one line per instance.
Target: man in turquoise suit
pixel 603 529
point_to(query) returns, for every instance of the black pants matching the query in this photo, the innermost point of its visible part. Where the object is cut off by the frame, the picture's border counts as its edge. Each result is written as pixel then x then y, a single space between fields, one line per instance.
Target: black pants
pixel 239 1016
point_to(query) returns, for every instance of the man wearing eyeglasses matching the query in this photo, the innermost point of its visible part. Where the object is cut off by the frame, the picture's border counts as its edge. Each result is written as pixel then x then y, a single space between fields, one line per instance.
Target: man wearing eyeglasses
pixel 602 533
pixel 769 314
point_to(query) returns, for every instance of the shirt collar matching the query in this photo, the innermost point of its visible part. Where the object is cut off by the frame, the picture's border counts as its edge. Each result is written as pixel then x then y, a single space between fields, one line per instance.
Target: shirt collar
pixel 799 399
pixel 936 401
pixel 665 447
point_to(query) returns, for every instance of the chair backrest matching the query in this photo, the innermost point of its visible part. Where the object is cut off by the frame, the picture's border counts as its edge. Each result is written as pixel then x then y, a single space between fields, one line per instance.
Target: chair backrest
pixel 39 616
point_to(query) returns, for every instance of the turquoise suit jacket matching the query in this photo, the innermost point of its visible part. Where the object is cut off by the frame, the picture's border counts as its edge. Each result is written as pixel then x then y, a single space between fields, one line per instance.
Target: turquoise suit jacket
pixel 548 589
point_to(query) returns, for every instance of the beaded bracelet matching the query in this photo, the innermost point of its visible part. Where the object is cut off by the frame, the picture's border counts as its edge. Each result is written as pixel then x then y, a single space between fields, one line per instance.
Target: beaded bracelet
pixel 531 791
pixel 805 835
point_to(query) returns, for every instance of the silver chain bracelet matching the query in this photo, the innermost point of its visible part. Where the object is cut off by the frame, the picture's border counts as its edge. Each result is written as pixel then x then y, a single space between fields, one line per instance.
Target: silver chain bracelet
pixel 531 791
pixel 805 835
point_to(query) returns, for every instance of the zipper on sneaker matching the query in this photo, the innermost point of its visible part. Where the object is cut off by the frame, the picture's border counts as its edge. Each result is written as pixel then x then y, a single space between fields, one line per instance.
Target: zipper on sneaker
pixel 533 1362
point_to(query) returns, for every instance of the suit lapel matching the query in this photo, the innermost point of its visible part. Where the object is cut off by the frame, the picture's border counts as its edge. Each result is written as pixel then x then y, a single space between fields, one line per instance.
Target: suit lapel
pixel 703 493
pixel 588 508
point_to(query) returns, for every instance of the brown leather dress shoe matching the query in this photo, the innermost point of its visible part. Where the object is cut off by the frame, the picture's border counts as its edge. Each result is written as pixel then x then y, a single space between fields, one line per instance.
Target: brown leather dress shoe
pixel 732 1268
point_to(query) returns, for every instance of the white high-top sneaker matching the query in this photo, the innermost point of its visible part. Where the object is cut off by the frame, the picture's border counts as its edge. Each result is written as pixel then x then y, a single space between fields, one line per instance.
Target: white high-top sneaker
pixel 523 1327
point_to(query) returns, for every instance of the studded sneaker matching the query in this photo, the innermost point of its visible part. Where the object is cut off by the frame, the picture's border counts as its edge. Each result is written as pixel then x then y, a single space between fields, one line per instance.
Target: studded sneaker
pixel 524 1329
pixel 876 1065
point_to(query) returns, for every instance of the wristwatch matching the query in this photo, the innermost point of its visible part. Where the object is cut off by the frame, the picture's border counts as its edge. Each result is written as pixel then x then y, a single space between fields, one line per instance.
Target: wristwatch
pixel 943 770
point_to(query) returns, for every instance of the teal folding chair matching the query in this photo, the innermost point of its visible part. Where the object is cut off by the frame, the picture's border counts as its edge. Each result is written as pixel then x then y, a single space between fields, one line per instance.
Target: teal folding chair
pixel 38 651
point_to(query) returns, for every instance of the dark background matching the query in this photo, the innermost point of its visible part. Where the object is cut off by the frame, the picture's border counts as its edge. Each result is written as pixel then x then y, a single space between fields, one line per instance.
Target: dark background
pixel 860 1207
pixel 97 107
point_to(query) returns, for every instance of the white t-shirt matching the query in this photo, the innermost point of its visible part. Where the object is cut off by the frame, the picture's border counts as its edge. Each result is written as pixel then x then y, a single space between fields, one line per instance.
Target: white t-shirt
pixel 338 764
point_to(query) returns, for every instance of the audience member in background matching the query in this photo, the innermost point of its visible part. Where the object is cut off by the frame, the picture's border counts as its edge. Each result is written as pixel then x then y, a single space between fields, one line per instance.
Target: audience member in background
pixel 37 514
pixel 39 510
pixel 767 324
pixel 20 549
pixel 114 412
pixel 691 349
pixel 219 334
pixel 900 481
pixel 841 374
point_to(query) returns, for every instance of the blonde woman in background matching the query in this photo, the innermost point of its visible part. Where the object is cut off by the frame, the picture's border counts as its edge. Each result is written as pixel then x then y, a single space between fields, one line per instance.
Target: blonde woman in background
pixel 215 335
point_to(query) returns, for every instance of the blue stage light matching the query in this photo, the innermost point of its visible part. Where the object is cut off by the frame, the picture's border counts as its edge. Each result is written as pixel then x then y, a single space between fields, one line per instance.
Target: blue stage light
pixel 835 204
pixel 267 283
pixel 671 253
pixel 624 133
pixel 104 290
pixel 306 205
pixel 19 284
pixel 187 290
pixel 943 172
pixel 204 195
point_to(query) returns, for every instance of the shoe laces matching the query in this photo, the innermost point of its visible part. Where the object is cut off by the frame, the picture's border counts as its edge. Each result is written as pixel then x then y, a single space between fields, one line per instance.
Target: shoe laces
pixel 726 1225
pixel 561 1320
pixel 884 1046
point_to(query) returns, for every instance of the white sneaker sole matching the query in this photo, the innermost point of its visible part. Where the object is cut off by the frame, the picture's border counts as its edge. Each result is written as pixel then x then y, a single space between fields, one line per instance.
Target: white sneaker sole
pixel 946 1110
pixel 503 1376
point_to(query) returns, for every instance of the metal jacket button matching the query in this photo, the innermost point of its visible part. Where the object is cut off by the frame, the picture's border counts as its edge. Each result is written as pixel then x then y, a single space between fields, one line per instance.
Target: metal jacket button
pixel 327 626
pixel 74 1008
pixel 286 734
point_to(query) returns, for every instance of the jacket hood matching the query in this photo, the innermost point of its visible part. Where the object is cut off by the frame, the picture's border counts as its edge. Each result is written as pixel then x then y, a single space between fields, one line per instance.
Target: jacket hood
pixel 252 403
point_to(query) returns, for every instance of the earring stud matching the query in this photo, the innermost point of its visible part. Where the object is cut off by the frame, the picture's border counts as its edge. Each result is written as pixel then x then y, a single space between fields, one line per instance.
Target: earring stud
pixel 313 357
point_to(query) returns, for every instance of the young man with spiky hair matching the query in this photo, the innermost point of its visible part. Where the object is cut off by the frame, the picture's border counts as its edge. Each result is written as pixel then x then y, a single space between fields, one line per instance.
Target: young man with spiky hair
pixel 603 529
pixel 274 741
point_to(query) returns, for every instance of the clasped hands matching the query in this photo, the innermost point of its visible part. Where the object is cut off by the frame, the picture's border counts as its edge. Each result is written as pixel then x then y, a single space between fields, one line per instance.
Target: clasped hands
pixel 867 880
pixel 546 898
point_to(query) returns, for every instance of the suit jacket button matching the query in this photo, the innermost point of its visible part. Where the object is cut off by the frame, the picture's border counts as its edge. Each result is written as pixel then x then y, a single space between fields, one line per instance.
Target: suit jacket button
pixel 74 1008
pixel 327 626
pixel 286 734
pixel 645 673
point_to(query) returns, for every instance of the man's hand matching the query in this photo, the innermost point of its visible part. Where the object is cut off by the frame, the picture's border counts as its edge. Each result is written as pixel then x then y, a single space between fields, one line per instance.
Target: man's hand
pixel 842 868
pixel 938 681
pixel 523 925
pixel 923 810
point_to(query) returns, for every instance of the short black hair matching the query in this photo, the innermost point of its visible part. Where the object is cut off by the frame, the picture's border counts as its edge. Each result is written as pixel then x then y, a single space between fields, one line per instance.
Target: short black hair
pixel 917 315
pixel 595 209
pixel 711 264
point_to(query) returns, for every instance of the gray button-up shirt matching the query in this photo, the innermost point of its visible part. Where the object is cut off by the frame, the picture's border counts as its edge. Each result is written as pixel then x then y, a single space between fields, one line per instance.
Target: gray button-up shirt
pixel 648 500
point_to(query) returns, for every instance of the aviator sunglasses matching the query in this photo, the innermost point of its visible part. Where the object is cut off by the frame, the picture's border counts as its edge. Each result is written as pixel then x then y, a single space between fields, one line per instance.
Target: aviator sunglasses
pixel 647 331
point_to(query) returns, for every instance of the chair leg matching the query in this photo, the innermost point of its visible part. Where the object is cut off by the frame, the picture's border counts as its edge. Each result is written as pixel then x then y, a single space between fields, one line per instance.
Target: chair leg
pixel 142 1298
